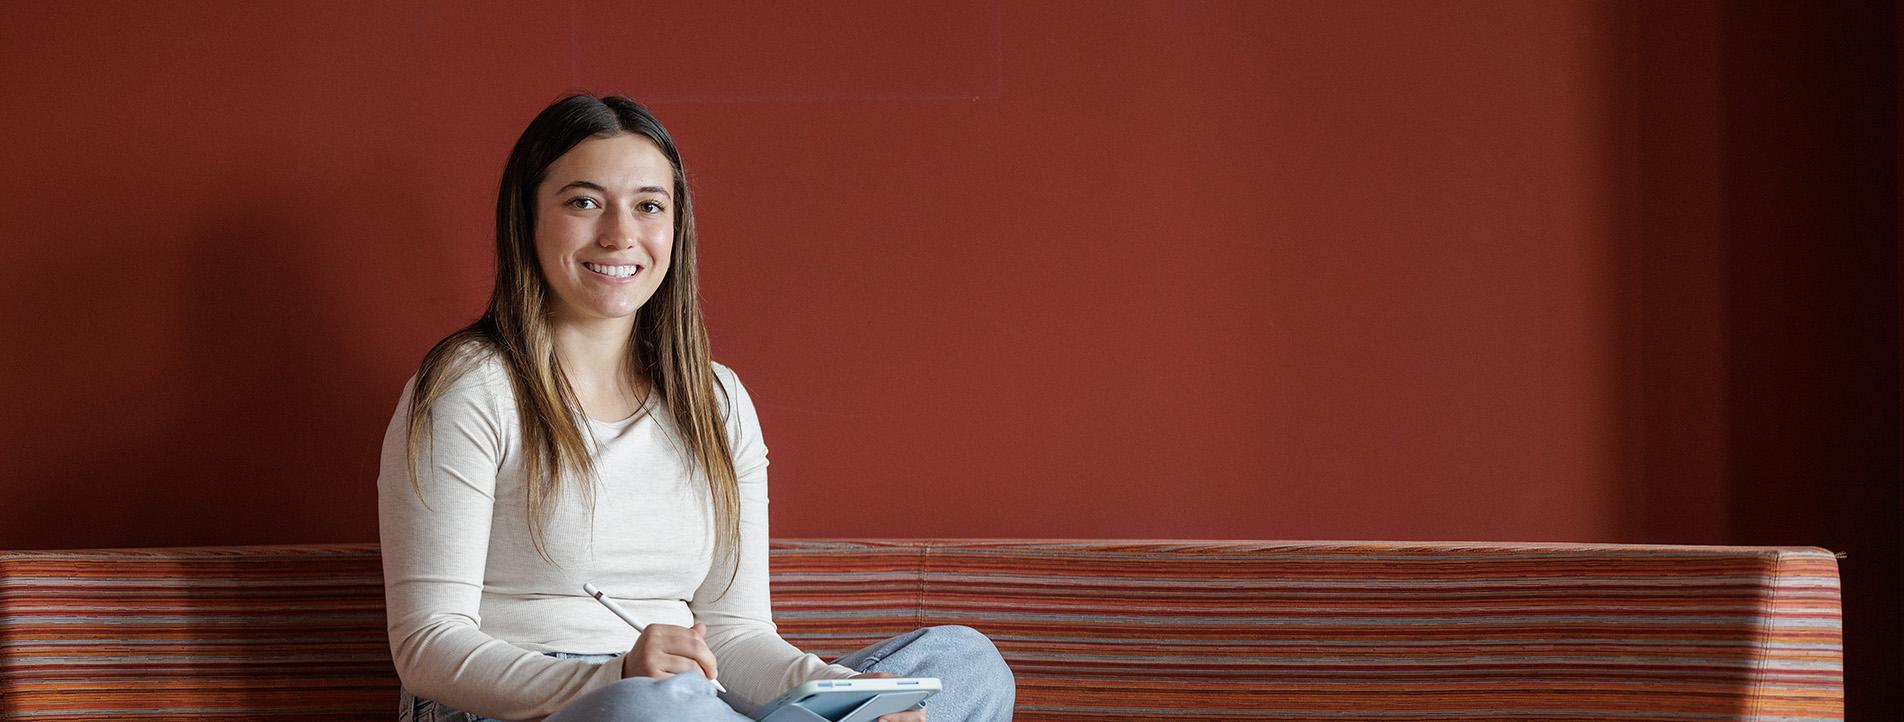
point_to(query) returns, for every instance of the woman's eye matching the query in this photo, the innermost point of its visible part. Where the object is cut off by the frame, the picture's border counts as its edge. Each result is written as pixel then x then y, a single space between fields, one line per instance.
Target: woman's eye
pixel 583 202
pixel 651 207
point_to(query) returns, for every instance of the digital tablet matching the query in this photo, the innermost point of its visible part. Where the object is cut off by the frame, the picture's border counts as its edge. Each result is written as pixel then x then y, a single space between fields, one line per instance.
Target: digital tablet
pixel 861 699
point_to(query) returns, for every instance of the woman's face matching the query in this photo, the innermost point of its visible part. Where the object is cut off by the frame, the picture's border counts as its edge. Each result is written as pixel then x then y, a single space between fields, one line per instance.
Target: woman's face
pixel 605 226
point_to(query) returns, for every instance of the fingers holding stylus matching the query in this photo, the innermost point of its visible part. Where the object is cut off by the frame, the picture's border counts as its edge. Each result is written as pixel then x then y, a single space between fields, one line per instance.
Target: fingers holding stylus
pixel 703 653
pixel 665 650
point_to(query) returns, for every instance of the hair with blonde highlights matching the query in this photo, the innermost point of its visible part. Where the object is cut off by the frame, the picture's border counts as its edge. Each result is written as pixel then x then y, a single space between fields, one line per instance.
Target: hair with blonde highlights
pixel 669 343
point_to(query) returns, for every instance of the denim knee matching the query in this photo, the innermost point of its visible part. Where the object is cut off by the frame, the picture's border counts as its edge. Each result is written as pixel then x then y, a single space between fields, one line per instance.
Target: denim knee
pixel 973 671
pixel 964 642
pixel 979 664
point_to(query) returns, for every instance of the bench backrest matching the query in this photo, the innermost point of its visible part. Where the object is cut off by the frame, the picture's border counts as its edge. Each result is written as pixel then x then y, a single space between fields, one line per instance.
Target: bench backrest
pixel 1095 630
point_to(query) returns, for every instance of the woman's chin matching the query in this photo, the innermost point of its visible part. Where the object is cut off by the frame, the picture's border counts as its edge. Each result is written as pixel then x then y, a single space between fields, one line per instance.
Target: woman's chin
pixel 617 314
pixel 597 314
pixel 599 307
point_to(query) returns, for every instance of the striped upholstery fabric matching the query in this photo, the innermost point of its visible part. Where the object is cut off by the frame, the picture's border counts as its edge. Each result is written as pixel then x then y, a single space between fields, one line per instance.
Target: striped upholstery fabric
pixel 287 633
pixel 1099 630
pixel 1096 630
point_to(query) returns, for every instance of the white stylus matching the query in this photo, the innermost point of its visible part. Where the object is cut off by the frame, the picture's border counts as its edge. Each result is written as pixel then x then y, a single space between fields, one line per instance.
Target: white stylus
pixel 603 597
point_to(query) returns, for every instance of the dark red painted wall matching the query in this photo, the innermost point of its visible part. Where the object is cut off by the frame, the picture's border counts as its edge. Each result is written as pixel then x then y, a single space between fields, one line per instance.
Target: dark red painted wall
pixel 1538 271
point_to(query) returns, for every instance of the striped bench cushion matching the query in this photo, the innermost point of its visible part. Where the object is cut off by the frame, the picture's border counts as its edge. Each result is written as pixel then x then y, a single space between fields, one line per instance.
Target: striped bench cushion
pixel 1096 630
pixel 1099 630
pixel 283 633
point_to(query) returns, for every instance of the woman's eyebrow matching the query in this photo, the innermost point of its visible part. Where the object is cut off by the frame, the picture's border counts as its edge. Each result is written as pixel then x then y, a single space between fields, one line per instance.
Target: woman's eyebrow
pixel 597 187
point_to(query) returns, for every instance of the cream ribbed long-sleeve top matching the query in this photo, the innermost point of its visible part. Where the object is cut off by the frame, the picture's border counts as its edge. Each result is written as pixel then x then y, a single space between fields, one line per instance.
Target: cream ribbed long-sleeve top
pixel 471 603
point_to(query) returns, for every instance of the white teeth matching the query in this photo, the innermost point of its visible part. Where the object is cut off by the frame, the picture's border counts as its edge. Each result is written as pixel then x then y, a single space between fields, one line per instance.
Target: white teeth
pixel 616 271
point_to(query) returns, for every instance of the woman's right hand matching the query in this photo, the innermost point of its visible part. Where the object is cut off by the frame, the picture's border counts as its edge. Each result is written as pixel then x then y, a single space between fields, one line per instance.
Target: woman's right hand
pixel 665 650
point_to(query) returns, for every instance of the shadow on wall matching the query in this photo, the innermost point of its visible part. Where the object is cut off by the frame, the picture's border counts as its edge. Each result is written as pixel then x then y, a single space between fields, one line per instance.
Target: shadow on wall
pixel 249 422
pixel 1811 305
pixel 1757 145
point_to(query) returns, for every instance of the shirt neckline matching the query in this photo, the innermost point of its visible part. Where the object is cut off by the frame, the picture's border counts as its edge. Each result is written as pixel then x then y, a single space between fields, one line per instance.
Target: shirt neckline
pixel 639 412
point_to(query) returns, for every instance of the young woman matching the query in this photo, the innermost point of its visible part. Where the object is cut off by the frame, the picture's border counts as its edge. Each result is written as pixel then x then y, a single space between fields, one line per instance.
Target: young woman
pixel 580 433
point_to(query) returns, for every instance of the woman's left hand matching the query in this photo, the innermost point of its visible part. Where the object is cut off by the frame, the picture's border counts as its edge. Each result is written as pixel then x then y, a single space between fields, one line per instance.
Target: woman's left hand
pixel 911 715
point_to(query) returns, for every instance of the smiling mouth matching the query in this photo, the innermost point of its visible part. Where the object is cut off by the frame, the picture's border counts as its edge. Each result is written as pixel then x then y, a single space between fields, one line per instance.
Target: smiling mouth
pixel 612 271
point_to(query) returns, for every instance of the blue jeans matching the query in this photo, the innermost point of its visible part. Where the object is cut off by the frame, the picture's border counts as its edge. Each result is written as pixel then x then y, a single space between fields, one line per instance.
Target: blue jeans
pixel 978 685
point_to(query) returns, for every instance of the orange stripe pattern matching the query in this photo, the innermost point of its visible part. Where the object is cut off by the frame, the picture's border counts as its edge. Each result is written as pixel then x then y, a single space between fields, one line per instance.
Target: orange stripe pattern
pixel 1148 630
pixel 1094 629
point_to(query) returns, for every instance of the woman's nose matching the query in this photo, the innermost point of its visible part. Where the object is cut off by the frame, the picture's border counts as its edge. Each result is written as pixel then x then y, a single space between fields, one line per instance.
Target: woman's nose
pixel 618 230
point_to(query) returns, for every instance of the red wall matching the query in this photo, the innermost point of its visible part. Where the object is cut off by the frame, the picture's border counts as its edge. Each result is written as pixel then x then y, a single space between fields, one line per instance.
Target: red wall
pixel 1538 271
pixel 1248 271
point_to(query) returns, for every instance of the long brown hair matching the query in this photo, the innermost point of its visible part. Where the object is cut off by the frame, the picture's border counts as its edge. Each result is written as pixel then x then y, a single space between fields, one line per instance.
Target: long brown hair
pixel 669 342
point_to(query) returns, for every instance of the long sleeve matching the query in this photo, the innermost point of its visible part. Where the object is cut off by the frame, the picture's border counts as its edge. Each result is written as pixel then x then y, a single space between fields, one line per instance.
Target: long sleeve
pixel 435 547
pixel 756 664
